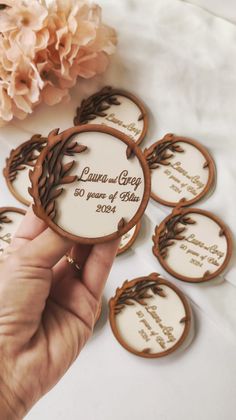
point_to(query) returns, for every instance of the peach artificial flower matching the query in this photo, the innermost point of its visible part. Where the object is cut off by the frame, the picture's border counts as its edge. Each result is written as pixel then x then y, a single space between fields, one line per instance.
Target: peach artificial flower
pixel 44 48
pixel 22 15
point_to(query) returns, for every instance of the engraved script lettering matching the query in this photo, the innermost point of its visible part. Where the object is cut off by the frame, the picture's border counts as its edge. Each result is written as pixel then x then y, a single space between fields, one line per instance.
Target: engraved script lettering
pixel 213 249
pixel 122 179
pixel 5 238
pixel 105 199
pixel 130 127
pixel 167 330
pixel 195 179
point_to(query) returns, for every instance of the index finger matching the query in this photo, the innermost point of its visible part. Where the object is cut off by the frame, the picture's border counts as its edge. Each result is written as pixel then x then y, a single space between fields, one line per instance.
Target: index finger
pixel 45 250
pixel 30 227
pixel 98 266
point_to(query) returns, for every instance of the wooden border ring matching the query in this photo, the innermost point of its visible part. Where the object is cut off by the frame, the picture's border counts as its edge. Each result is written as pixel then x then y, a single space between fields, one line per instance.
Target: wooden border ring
pixel 54 138
pixel 109 91
pixel 160 281
pixel 131 241
pixel 184 211
pixel 12 209
pixel 10 169
pixel 209 163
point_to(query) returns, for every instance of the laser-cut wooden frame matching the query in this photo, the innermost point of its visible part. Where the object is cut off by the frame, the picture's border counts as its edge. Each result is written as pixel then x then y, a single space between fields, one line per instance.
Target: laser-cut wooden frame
pixel 154 277
pixel 132 239
pixel 36 177
pixel 180 211
pixel 170 140
pixel 92 102
pixel 17 161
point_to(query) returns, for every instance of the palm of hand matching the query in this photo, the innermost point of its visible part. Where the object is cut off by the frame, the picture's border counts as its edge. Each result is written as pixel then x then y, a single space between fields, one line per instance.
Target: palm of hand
pixel 47 312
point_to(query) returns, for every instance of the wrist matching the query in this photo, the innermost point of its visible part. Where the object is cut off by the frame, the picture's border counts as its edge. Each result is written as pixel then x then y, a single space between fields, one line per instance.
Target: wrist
pixel 6 411
pixel 11 408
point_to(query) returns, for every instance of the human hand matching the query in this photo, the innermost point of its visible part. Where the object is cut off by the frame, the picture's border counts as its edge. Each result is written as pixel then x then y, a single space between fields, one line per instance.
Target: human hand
pixel 47 310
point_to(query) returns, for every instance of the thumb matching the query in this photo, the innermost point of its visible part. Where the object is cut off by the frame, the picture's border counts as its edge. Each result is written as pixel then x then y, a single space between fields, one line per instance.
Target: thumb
pixel 26 279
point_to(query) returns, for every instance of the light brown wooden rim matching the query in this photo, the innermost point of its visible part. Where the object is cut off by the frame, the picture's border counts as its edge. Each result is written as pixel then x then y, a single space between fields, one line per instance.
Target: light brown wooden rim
pixel 131 241
pixel 38 209
pixel 12 210
pixel 13 153
pixel 226 233
pixel 137 101
pixel 187 323
pixel 211 167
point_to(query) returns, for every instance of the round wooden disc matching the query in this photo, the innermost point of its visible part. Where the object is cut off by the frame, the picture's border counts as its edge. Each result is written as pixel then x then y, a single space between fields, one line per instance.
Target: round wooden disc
pixel 90 184
pixel 10 218
pixel 182 170
pixel 193 245
pixel 115 108
pixel 20 161
pixel 150 317
pixel 129 238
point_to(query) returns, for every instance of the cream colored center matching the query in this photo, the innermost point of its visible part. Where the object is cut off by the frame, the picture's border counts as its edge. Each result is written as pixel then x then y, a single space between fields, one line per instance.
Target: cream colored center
pixel 155 326
pixel 184 177
pixel 202 249
pixel 123 117
pixel 109 187
pixel 7 230
pixel 127 238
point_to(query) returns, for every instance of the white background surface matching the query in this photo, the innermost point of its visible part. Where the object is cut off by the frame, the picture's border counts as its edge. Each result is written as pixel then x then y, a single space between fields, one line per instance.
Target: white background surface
pixel 181 60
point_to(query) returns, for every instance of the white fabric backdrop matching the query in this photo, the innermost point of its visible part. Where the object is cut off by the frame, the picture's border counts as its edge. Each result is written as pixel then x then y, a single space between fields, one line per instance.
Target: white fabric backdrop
pixel 225 9
pixel 181 60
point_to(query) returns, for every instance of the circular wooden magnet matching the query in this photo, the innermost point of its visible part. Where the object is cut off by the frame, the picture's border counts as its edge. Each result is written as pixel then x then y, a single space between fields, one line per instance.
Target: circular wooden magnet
pixel 193 245
pixel 10 218
pixel 20 161
pixel 129 238
pixel 91 183
pixel 150 317
pixel 182 170
pixel 115 108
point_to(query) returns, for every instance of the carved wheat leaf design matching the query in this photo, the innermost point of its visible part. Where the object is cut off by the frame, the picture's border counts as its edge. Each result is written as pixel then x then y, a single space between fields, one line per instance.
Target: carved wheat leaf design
pixel 4 219
pixel 56 173
pixel 161 153
pixel 26 156
pixel 139 293
pixel 170 233
pixel 96 106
